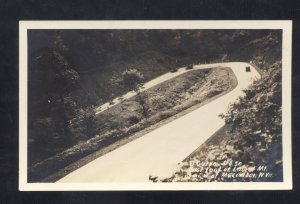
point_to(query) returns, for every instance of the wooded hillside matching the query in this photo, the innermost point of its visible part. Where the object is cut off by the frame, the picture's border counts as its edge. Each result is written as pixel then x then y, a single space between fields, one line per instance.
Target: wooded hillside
pixel 72 71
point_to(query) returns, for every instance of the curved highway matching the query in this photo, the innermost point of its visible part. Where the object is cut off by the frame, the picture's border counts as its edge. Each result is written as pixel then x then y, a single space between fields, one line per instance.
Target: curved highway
pixel 159 152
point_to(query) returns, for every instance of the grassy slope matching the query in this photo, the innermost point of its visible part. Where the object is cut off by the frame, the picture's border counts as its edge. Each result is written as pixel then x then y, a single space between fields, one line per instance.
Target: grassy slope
pixel 167 101
pixel 168 98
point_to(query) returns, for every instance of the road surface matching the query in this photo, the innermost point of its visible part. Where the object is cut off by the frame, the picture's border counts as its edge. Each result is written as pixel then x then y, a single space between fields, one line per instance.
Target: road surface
pixel 159 152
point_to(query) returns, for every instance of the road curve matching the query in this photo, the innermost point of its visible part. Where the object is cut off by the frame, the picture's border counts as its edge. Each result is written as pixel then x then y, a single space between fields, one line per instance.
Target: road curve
pixel 154 82
pixel 159 152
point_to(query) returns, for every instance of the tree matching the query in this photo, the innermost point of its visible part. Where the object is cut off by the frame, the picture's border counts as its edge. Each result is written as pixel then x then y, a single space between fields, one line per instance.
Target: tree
pixel 84 125
pixel 66 80
pixel 62 80
pixel 132 79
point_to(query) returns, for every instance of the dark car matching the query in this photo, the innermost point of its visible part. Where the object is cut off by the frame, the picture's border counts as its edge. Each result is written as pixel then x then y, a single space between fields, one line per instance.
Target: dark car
pixel 248 69
pixel 173 70
pixel 190 66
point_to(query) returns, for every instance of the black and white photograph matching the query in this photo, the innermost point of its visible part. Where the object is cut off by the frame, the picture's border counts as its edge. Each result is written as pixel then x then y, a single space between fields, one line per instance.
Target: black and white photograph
pixel 155 105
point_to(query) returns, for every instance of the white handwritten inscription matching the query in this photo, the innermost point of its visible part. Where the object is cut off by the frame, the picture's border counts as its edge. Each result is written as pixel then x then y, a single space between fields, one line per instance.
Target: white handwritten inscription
pixel 228 169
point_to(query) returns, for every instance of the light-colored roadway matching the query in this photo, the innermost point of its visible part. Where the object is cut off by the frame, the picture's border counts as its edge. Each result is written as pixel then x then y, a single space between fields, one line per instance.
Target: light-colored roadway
pixel 159 152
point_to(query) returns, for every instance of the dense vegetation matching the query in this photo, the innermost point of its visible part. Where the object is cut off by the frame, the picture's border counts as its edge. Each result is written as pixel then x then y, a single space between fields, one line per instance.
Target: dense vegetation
pixel 256 123
pixel 71 71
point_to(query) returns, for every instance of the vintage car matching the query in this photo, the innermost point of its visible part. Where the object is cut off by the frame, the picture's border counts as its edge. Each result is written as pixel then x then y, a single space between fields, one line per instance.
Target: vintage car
pixel 190 66
pixel 248 69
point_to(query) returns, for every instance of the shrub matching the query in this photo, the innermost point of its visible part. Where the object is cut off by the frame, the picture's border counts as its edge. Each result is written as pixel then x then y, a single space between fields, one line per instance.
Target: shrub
pixel 214 93
pixel 133 120
pixel 256 118
pixel 132 79
pixel 84 126
pixel 166 114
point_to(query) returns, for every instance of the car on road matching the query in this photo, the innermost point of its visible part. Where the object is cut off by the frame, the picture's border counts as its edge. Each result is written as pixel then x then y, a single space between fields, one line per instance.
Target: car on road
pixel 190 66
pixel 174 70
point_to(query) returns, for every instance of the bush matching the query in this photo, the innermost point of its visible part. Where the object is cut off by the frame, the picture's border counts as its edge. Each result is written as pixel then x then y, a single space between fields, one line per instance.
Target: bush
pixel 166 114
pixel 256 120
pixel 214 93
pixel 132 79
pixel 83 126
pixel 133 120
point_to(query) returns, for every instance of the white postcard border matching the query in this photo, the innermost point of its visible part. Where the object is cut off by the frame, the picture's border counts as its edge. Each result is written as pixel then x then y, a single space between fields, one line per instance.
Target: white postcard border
pixel 285 25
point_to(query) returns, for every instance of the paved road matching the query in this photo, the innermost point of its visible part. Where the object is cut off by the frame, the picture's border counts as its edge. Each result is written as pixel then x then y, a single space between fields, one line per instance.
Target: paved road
pixel 160 151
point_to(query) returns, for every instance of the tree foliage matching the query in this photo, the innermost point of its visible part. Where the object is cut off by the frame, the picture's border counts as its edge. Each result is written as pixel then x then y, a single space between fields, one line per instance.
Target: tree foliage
pixel 132 79
pixel 53 79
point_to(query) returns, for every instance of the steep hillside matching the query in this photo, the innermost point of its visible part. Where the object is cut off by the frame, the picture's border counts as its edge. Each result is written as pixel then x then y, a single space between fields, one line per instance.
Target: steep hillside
pixel 97 55
pixel 117 125
pixel 263 51
pixel 72 71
